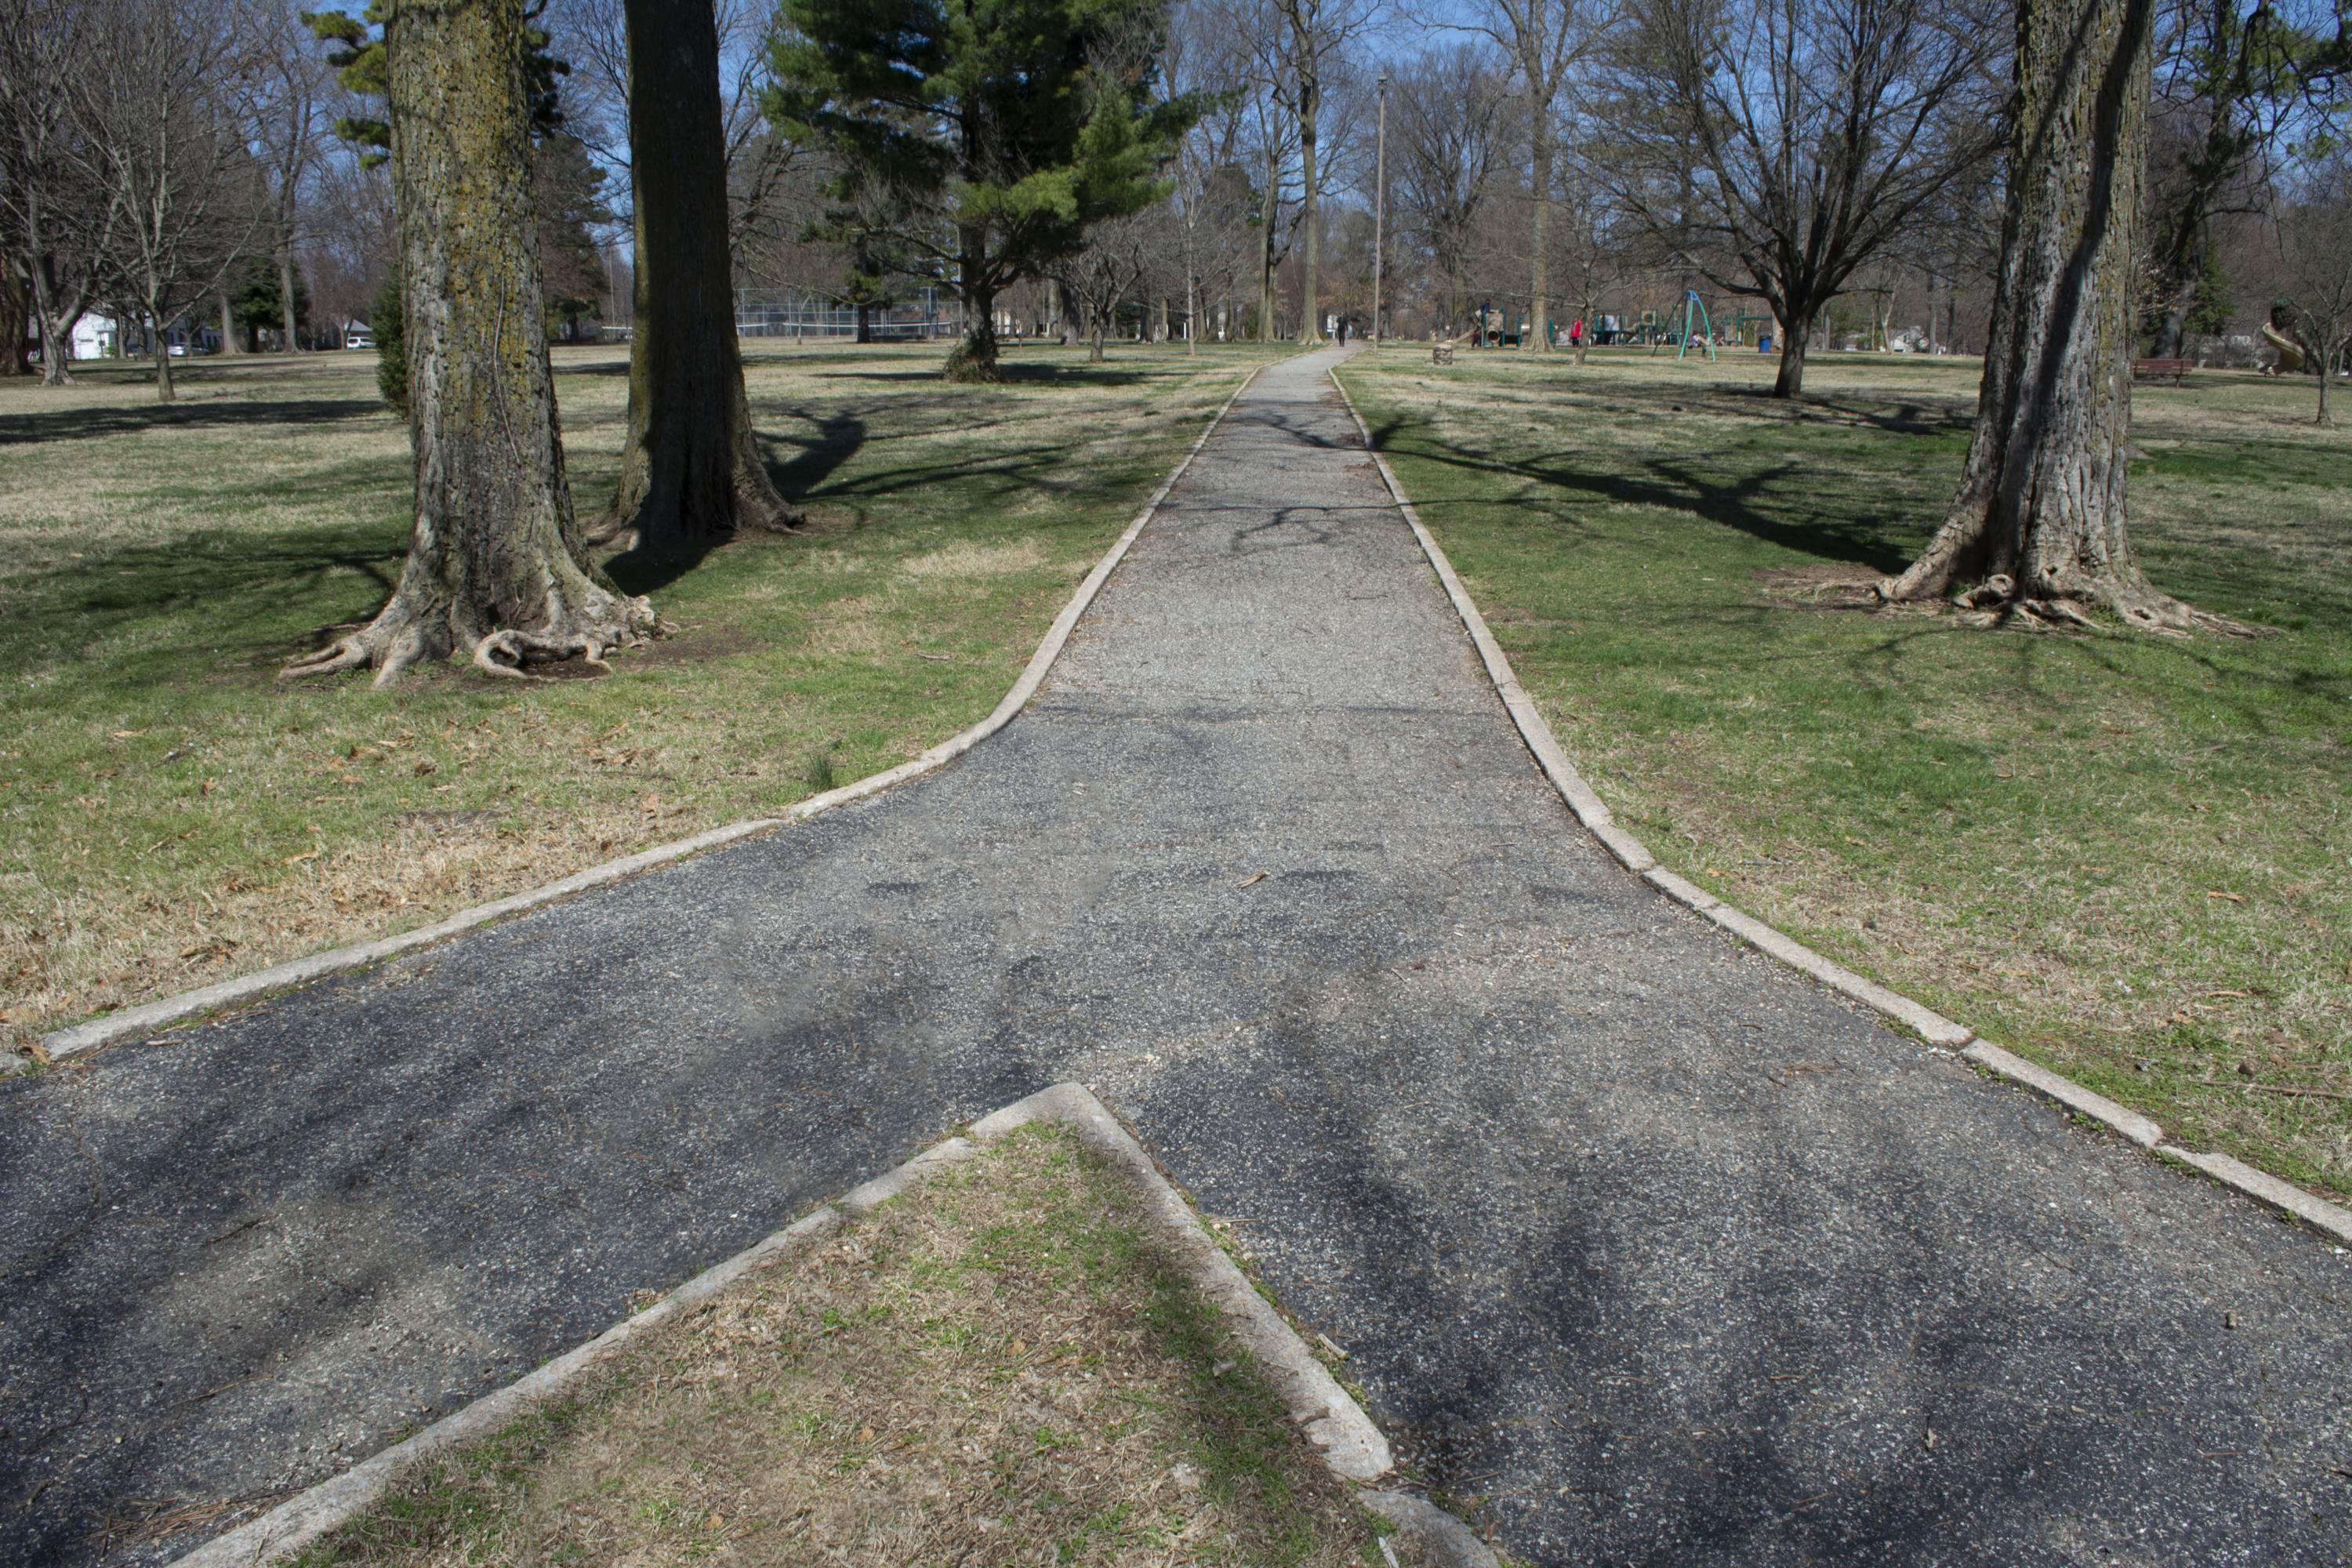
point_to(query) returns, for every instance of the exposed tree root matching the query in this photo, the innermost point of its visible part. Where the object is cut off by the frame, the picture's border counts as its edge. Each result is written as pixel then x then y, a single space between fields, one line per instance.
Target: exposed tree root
pixel 1998 601
pixel 617 535
pixel 616 529
pixel 402 636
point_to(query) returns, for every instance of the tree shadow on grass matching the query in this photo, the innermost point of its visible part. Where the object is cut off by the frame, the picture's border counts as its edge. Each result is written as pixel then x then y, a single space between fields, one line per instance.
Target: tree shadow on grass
pixel 1902 417
pixel 833 440
pixel 135 613
pixel 1744 503
pixel 83 424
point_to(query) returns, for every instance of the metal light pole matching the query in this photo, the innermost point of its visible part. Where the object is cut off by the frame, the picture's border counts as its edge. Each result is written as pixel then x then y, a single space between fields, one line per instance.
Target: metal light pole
pixel 1380 206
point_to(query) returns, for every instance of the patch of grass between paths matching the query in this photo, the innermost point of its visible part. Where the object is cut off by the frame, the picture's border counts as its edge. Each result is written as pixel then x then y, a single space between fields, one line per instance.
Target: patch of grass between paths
pixel 995 1368
pixel 2125 857
pixel 171 814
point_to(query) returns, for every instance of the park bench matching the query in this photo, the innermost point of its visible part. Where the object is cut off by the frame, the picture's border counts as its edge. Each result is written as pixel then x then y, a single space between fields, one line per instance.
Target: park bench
pixel 1442 354
pixel 2157 369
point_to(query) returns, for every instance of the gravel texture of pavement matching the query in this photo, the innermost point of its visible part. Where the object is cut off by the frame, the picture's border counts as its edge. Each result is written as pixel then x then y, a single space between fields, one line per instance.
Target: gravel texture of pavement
pixel 1664 1252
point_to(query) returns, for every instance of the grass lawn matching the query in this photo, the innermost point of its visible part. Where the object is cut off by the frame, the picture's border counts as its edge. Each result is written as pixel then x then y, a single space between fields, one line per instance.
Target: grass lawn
pixel 994 1369
pixel 2125 857
pixel 172 814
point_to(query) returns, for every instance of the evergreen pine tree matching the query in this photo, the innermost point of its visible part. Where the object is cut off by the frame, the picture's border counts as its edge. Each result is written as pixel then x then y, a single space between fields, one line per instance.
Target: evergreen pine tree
pixel 994 132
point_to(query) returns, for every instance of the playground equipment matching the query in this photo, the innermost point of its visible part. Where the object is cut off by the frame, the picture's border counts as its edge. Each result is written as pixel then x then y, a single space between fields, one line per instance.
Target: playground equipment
pixel 1652 332
pixel 2290 352
pixel 1695 307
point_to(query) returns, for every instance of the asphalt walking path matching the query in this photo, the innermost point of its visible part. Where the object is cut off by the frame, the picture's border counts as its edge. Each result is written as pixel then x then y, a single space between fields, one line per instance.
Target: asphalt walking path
pixel 1669 1254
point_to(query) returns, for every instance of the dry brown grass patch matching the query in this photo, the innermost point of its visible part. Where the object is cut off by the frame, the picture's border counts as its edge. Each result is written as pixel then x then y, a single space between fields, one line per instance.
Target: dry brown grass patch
pixel 994 1370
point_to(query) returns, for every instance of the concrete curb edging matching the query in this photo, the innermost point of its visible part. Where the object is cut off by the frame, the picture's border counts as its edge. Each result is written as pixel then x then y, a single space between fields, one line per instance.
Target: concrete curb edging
pixel 1332 1420
pixel 149 1017
pixel 2330 1219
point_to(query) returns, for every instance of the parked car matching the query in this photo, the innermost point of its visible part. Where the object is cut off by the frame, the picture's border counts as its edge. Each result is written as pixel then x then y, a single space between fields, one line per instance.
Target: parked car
pixel 359 338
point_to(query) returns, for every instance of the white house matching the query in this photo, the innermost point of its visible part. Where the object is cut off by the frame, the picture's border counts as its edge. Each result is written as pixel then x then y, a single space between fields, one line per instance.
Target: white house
pixel 97 337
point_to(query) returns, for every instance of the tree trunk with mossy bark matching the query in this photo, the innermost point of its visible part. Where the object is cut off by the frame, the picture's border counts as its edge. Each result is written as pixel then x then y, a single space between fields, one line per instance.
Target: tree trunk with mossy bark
pixel 690 470
pixel 495 567
pixel 2038 528
pixel 973 359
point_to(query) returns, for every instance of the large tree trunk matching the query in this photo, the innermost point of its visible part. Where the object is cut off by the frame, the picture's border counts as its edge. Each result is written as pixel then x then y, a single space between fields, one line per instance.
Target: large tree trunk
pixel 973 359
pixel 1796 333
pixel 496 565
pixel 293 344
pixel 1311 314
pixel 14 305
pixel 161 343
pixel 690 470
pixel 57 315
pixel 230 342
pixel 1191 312
pixel 2039 520
pixel 1539 295
pixel 1265 255
pixel 56 348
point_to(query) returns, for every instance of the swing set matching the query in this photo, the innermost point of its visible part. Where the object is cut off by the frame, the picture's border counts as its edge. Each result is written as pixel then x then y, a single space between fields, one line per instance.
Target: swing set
pixel 1654 333
pixel 1694 308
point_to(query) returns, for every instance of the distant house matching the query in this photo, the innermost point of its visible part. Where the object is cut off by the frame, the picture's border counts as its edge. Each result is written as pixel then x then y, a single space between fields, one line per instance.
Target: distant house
pixel 97 337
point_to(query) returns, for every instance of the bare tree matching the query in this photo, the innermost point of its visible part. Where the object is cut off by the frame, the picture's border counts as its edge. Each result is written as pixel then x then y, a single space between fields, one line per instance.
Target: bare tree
pixel 2315 229
pixel 163 137
pixel 592 36
pixel 2038 526
pixel 1100 276
pixel 1591 250
pixel 2230 81
pixel 1271 118
pixel 1446 135
pixel 287 84
pixel 1211 195
pixel 1778 144
pixel 353 235
pixel 62 214
pixel 1309 38
pixel 1545 41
